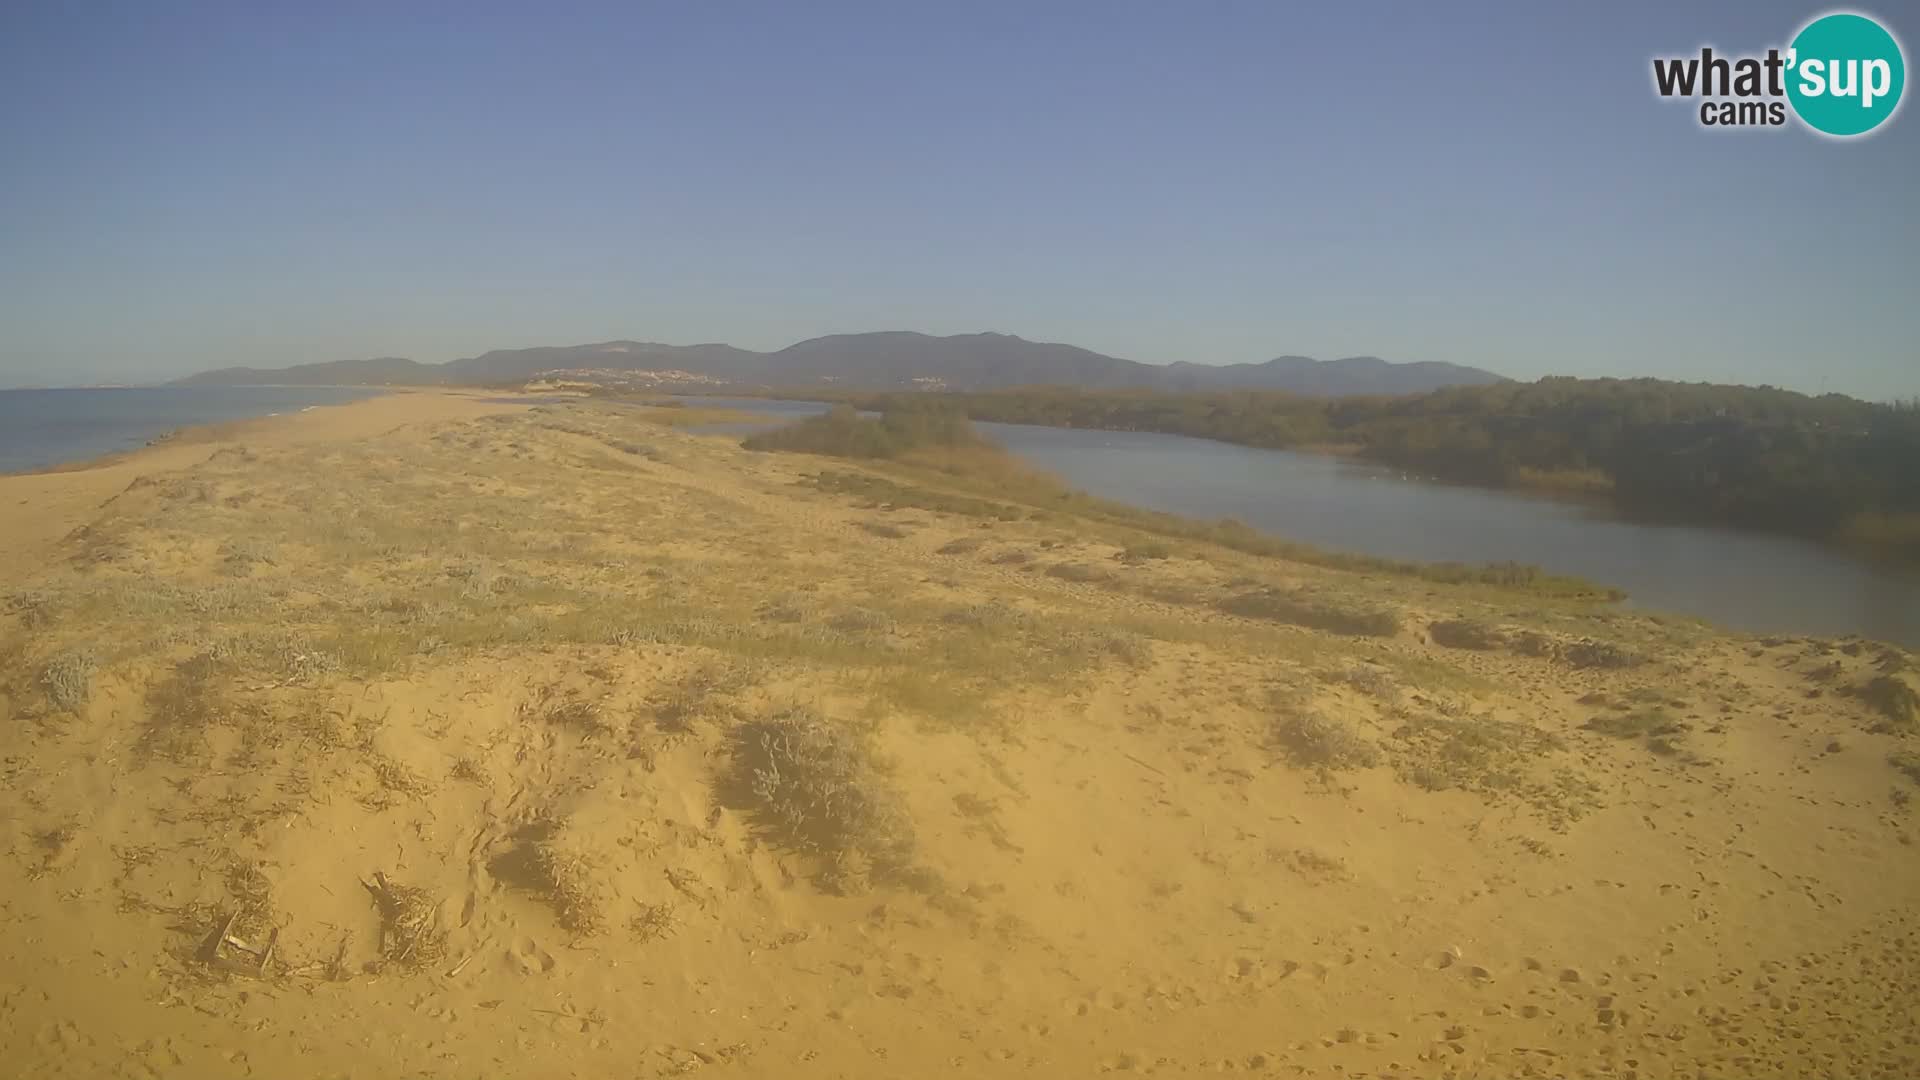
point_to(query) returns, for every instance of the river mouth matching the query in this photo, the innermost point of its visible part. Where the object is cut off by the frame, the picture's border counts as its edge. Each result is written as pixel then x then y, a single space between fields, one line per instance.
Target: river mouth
pixel 1758 582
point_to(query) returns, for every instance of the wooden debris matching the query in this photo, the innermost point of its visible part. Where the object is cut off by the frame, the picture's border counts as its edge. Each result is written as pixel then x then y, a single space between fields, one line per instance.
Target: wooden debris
pixel 231 952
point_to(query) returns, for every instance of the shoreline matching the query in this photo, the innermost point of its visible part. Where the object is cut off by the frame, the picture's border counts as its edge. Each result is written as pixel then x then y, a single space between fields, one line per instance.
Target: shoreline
pixel 59 499
pixel 239 427
pixel 185 434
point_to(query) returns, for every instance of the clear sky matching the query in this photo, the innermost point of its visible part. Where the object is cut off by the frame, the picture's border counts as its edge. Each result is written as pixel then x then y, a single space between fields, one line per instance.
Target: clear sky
pixel 188 186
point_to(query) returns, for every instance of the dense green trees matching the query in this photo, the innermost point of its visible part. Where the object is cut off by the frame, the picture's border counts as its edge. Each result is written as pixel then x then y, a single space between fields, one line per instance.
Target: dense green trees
pixel 915 424
pixel 1758 457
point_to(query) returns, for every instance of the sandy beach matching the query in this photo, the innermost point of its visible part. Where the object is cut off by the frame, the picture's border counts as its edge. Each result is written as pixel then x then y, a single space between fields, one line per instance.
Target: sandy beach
pixel 432 736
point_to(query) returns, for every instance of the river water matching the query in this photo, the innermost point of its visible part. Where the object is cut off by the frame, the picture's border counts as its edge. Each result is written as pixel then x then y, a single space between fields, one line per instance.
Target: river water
pixel 1745 580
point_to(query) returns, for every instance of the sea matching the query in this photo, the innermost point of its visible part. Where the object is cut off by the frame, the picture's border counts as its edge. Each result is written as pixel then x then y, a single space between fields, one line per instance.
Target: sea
pixel 40 429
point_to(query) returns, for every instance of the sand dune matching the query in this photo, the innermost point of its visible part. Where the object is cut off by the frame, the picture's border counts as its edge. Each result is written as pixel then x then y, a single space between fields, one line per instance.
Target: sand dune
pixel 558 742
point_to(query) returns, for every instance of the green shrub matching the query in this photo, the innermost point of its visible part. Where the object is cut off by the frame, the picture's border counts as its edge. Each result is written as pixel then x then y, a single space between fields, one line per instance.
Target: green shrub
pixel 843 432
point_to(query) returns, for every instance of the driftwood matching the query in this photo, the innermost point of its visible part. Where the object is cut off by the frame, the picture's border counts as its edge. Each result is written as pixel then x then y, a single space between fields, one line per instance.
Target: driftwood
pixel 230 952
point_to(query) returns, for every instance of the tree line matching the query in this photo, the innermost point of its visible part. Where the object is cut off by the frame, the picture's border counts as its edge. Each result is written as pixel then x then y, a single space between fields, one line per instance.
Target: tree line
pixel 1758 457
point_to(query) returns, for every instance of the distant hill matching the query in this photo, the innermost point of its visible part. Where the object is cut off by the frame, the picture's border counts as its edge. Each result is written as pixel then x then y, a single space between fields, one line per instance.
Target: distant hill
pixel 382 371
pixel 1328 378
pixel 885 360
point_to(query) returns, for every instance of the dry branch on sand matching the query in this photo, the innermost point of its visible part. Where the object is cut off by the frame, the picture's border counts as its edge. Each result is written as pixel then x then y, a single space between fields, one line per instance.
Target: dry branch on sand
pixel 410 931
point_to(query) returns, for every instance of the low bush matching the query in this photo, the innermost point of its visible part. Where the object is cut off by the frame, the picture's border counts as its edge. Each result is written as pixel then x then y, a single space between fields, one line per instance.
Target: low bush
pixel 1895 700
pixel 68 679
pixel 1600 654
pixel 815 788
pixel 1142 550
pixel 1466 634
pixel 1647 723
pixel 1315 741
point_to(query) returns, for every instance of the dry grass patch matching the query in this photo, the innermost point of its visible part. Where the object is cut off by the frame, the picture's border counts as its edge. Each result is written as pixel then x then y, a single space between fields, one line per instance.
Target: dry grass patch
pixel 1589 653
pixel 397 778
pixel 35 608
pixel 1315 740
pixel 681 704
pixel 1634 725
pixel 652 922
pixel 568 709
pixel 878 491
pixel 1295 609
pixel 1371 681
pixel 559 868
pixel 240 555
pixel 179 709
pixel 815 787
pixel 67 679
pixel 1466 634
pixel 1471 753
pixel 1313 866
pixel 862 621
pixel 1080 572
pixel 1664 734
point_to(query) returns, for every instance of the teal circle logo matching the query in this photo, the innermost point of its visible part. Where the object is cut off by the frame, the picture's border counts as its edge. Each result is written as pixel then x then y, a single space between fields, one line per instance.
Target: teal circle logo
pixel 1845 74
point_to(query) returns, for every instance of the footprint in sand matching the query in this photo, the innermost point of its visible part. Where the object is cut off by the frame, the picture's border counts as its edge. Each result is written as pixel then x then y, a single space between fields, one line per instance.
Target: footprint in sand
pixel 1451 959
pixel 533 959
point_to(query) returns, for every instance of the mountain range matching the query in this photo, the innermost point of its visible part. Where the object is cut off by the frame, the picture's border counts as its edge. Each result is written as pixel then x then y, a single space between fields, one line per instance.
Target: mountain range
pixel 883 360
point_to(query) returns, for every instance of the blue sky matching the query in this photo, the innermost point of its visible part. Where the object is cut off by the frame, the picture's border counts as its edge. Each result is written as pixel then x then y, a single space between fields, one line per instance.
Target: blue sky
pixel 187 186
